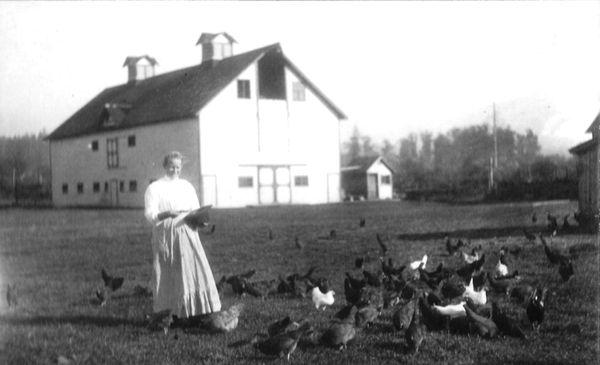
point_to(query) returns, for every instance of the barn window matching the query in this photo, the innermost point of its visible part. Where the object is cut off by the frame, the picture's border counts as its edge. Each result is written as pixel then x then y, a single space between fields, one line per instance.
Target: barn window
pixel 131 141
pixel 386 179
pixel 95 145
pixel 132 186
pixel 112 152
pixel 106 186
pixel 243 89
pixel 65 188
pixel 121 186
pixel 298 91
pixel 80 188
pixel 245 181
pixel 96 187
pixel 301 180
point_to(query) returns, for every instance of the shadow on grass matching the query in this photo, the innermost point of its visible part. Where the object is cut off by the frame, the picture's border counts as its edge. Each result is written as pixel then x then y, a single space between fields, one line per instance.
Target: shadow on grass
pixel 484 233
pixel 75 320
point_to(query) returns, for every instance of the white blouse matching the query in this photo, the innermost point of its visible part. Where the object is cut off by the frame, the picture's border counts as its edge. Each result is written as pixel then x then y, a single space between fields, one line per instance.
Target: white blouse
pixel 169 194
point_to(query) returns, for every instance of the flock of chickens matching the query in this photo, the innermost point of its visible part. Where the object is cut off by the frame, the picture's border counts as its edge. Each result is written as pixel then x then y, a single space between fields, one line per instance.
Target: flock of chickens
pixel 445 299
pixel 454 299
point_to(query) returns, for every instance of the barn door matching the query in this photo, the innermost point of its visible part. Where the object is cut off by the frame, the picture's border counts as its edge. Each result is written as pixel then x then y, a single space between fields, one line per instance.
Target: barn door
pixel 372 186
pixel 114 192
pixel 266 190
pixel 274 185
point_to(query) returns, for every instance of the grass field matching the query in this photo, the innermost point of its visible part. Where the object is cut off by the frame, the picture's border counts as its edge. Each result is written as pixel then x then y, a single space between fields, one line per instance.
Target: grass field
pixel 55 257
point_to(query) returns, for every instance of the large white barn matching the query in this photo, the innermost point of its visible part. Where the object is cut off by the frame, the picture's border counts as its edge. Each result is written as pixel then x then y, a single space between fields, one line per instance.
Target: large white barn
pixel 252 128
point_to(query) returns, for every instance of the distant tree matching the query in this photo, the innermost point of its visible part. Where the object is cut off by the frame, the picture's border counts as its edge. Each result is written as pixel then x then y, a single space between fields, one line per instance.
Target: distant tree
pixel 426 152
pixel 368 147
pixel 352 148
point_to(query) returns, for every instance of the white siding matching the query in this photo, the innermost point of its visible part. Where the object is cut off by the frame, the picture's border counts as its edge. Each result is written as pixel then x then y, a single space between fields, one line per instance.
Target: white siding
pixel 385 190
pixel 74 161
pixel 237 135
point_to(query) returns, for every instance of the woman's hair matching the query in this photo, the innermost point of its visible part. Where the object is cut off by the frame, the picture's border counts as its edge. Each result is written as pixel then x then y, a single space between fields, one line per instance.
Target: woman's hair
pixel 173 155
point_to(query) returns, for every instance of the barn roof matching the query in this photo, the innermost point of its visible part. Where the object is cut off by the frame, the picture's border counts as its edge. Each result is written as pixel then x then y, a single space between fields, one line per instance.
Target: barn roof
pixel 363 163
pixel 584 147
pixel 171 96
pixel 594 125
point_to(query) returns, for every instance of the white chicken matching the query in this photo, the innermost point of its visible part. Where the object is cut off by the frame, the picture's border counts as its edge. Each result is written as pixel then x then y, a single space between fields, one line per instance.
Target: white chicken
pixel 501 268
pixel 416 264
pixel 321 299
pixel 469 259
pixel 452 310
pixel 478 297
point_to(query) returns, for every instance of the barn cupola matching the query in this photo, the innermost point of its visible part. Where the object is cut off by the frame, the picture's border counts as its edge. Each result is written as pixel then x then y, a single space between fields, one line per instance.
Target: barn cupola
pixel 216 46
pixel 139 68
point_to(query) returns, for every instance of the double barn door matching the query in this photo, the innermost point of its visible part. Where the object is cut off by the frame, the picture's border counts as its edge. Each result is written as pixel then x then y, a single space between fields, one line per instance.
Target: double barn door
pixel 274 185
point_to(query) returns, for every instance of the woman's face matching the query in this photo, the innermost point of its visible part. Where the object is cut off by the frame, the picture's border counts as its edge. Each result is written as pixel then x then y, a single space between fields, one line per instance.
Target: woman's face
pixel 173 168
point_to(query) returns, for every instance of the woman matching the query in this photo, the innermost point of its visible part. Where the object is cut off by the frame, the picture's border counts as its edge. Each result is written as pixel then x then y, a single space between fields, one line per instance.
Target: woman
pixel 183 281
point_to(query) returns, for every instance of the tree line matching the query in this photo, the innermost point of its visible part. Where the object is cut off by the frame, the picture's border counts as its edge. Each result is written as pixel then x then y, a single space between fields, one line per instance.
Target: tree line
pixel 461 160
pixel 24 161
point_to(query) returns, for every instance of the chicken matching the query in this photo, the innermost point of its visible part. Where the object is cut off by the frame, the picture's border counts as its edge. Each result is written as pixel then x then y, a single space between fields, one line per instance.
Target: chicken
pixel 352 288
pixel 466 272
pixel 160 320
pixel 416 264
pixel 372 279
pixel 112 282
pixel 415 334
pixel 283 344
pixel 478 297
pixel 534 218
pixel 223 321
pixel 362 222
pixel 552 223
pixel 530 236
pixel 382 246
pixel 565 269
pixel 403 316
pixel 101 297
pixel 566 225
pixel 505 324
pixel 501 269
pixel 283 325
pixel 522 293
pixel 11 295
pixel 469 259
pixel 536 308
pixel 340 332
pixel 499 286
pixel 553 256
pixel 452 249
pixel 322 299
pixel 451 310
pixel 198 218
pixel 366 315
pixel 271 235
pixel 452 287
pixel 359 262
pixel 484 326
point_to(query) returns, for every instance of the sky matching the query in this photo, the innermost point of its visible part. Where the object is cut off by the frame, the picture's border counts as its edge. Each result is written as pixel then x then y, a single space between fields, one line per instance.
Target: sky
pixel 394 68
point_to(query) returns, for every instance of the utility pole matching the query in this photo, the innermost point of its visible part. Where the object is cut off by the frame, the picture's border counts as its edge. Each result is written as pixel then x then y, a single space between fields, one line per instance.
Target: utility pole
pixel 495 136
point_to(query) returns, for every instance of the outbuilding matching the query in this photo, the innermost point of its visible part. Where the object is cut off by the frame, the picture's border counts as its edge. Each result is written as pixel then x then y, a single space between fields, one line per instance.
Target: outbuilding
pixel 367 177
pixel 588 157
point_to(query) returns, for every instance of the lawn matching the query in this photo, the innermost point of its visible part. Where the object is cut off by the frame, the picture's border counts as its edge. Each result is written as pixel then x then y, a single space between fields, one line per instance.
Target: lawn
pixel 55 257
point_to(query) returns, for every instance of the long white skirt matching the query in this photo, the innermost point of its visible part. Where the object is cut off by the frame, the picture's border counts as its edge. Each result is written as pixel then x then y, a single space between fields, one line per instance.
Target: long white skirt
pixel 183 280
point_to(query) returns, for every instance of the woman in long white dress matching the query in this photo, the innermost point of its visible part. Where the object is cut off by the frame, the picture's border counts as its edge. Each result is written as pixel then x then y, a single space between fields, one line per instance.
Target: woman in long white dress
pixel 182 280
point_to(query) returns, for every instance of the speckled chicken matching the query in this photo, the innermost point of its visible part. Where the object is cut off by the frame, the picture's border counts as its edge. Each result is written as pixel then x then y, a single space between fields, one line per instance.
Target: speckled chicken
pixel 403 316
pixel 536 308
pixel 283 344
pixel 160 320
pixel 340 332
pixel 223 321
pixel 415 334
pixel 484 326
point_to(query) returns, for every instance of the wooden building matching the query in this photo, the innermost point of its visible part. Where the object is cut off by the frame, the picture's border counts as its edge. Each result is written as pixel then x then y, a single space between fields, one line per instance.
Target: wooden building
pixel 253 129
pixel 367 178
pixel 588 157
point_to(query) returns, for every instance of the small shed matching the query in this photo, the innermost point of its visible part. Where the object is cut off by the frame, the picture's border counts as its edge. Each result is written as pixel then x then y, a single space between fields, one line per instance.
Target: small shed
pixel 367 177
pixel 588 157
